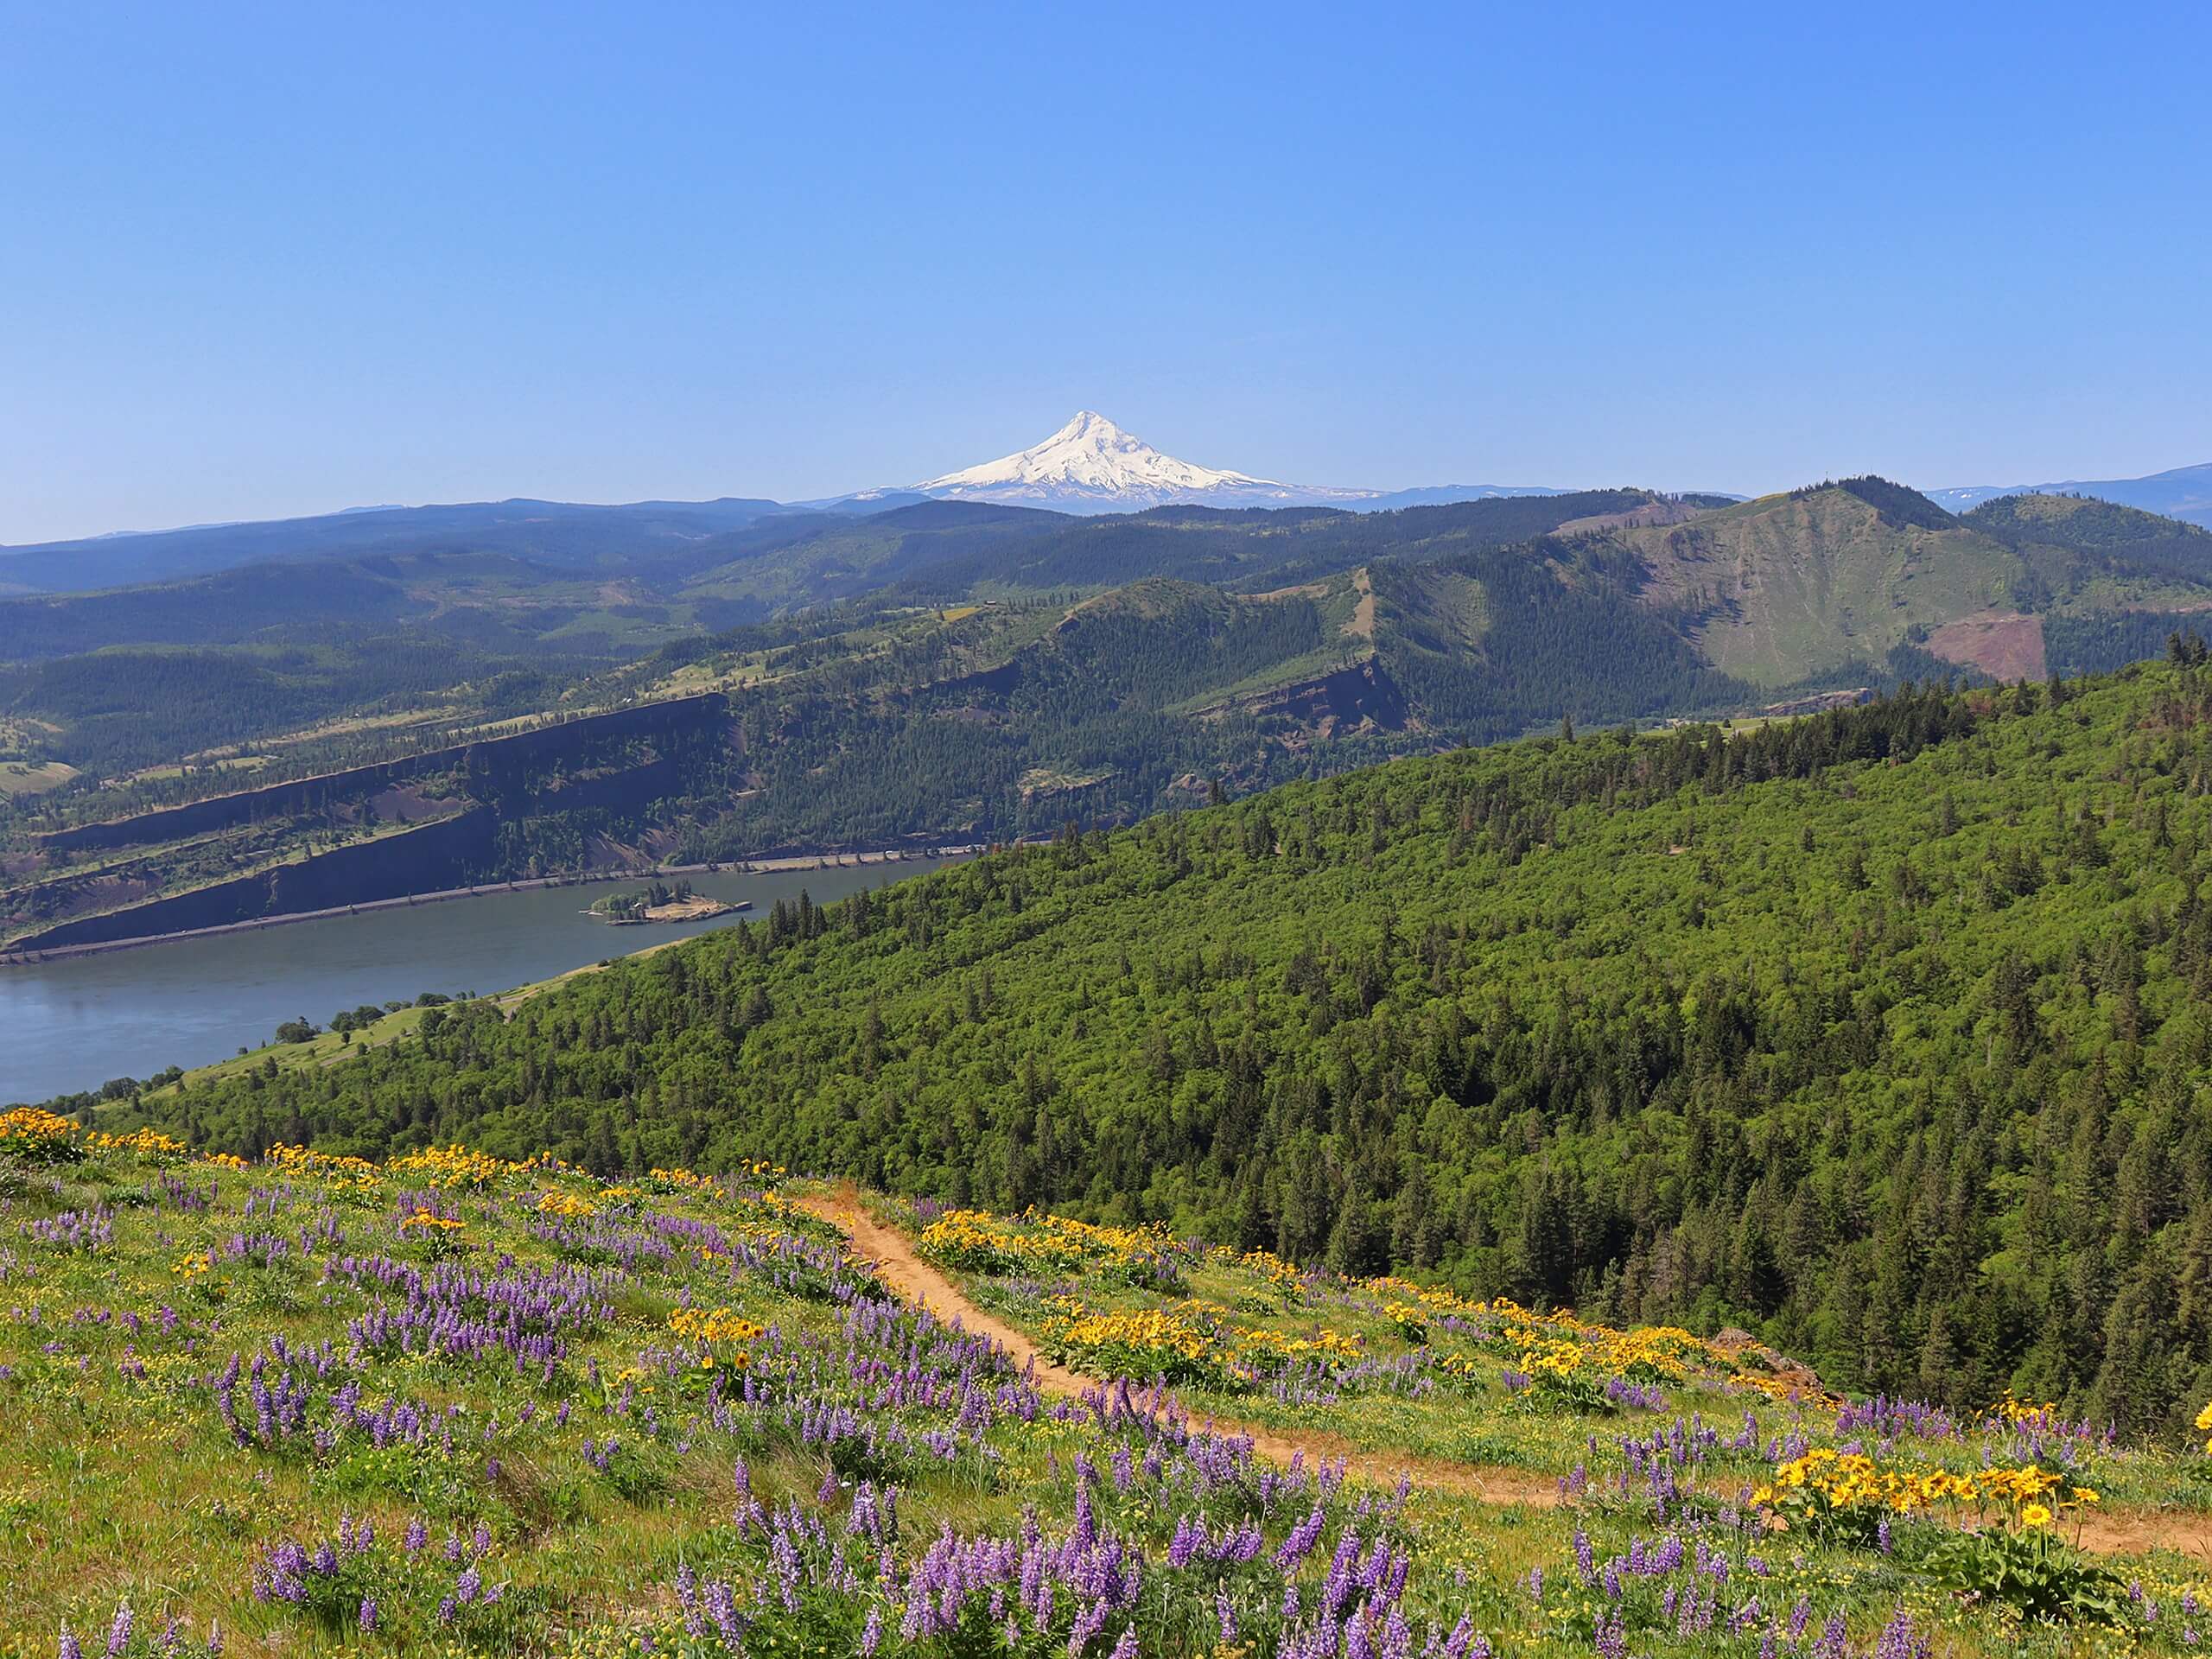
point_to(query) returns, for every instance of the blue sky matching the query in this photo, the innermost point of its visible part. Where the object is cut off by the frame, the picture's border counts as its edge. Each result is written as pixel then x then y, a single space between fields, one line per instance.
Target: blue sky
pixel 267 260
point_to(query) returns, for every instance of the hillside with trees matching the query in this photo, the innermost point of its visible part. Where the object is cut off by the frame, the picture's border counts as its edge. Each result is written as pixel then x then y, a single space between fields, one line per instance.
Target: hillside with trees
pixel 957 670
pixel 1881 1032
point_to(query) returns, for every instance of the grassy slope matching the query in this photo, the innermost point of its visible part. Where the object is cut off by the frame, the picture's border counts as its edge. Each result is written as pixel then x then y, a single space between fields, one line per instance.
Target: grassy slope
pixel 590 1491
pixel 1803 973
pixel 1799 585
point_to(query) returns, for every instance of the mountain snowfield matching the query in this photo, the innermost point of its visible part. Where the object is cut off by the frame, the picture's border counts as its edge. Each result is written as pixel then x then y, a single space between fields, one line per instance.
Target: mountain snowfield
pixel 1090 465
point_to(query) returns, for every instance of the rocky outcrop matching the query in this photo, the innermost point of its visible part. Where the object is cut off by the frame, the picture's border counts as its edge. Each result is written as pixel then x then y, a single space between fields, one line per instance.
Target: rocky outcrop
pixel 410 861
pixel 1359 697
pixel 488 757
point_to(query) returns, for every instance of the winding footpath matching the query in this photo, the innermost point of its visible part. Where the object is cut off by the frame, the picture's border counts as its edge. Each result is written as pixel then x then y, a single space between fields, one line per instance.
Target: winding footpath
pixel 915 1281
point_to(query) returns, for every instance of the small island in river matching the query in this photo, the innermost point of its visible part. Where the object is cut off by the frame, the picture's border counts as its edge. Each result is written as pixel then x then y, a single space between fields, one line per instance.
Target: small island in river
pixel 660 903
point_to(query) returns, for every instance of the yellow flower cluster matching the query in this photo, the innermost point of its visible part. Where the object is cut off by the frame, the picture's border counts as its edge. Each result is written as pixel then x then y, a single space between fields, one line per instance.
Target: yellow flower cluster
pixel 708 1327
pixel 1141 1344
pixel 335 1168
pixel 712 1324
pixel 431 1225
pixel 1850 1480
pixel 558 1203
pixel 33 1129
pixel 2012 1409
pixel 711 1187
pixel 2203 1422
pixel 1191 1343
pixel 975 1241
pixel 194 1264
pixel 1274 1345
pixel 457 1166
pixel 1436 1299
pixel 1279 1274
pixel 1551 1358
pixel 150 1143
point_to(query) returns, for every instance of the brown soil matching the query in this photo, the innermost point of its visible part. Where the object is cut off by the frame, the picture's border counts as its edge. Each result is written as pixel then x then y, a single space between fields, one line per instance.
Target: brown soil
pixel 2120 1532
pixel 2004 644
pixel 687 910
pixel 913 1280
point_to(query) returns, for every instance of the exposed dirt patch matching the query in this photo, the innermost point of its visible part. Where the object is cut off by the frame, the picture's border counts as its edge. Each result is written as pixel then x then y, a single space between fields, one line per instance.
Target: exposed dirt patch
pixel 1361 624
pixel 915 1281
pixel 2004 644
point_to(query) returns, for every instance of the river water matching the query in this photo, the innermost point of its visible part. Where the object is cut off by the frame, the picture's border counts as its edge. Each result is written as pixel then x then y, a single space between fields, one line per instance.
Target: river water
pixel 73 1024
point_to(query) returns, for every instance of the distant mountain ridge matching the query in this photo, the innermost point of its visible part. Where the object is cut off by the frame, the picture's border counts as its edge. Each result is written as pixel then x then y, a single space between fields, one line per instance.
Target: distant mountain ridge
pixel 2183 492
pixel 1091 467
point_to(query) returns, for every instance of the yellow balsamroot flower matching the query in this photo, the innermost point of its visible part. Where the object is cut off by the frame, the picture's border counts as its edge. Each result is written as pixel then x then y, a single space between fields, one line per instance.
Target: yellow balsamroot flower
pixel 453 1166
pixel 2035 1515
pixel 194 1264
pixel 1552 1359
pixel 977 1242
pixel 33 1129
pixel 1254 1344
pixel 556 1202
pixel 1839 1480
pixel 1279 1274
pixel 429 1225
pixel 2012 1409
pixel 334 1168
pixel 713 1325
pixel 147 1143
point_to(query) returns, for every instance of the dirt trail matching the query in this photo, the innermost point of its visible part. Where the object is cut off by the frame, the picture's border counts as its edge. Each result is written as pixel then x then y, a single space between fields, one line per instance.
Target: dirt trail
pixel 2113 1532
pixel 914 1280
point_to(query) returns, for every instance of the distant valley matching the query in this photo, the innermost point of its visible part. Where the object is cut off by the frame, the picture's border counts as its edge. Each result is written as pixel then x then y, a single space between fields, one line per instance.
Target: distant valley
pixel 386 701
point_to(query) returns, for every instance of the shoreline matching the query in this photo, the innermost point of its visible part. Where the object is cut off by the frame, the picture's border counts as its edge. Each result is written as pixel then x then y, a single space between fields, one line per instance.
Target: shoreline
pixel 19 958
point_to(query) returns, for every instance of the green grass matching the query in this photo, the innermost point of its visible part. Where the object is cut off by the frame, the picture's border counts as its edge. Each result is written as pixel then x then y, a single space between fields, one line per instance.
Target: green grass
pixel 294 1056
pixel 33 777
pixel 133 1273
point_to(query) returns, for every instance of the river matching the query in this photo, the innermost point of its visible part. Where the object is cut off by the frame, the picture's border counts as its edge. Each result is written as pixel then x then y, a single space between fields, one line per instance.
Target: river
pixel 74 1023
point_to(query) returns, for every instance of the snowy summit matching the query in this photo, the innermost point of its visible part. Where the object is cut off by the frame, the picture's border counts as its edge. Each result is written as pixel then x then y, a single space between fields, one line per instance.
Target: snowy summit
pixel 1090 465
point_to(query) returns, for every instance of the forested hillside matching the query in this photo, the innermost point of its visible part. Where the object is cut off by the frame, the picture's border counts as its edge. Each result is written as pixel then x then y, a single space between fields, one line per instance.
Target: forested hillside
pixel 1881 1031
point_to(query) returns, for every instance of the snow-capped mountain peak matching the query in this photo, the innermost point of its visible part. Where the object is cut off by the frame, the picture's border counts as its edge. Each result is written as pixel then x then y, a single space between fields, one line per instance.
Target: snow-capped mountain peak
pixel 1092 466
pixel 1091 463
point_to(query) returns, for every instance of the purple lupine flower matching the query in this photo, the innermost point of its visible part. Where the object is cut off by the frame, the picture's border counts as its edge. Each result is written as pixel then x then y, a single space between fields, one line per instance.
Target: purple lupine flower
pixel 70 1649
pixel 118 1634
pixel 368 1615
pixel 1901 1641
